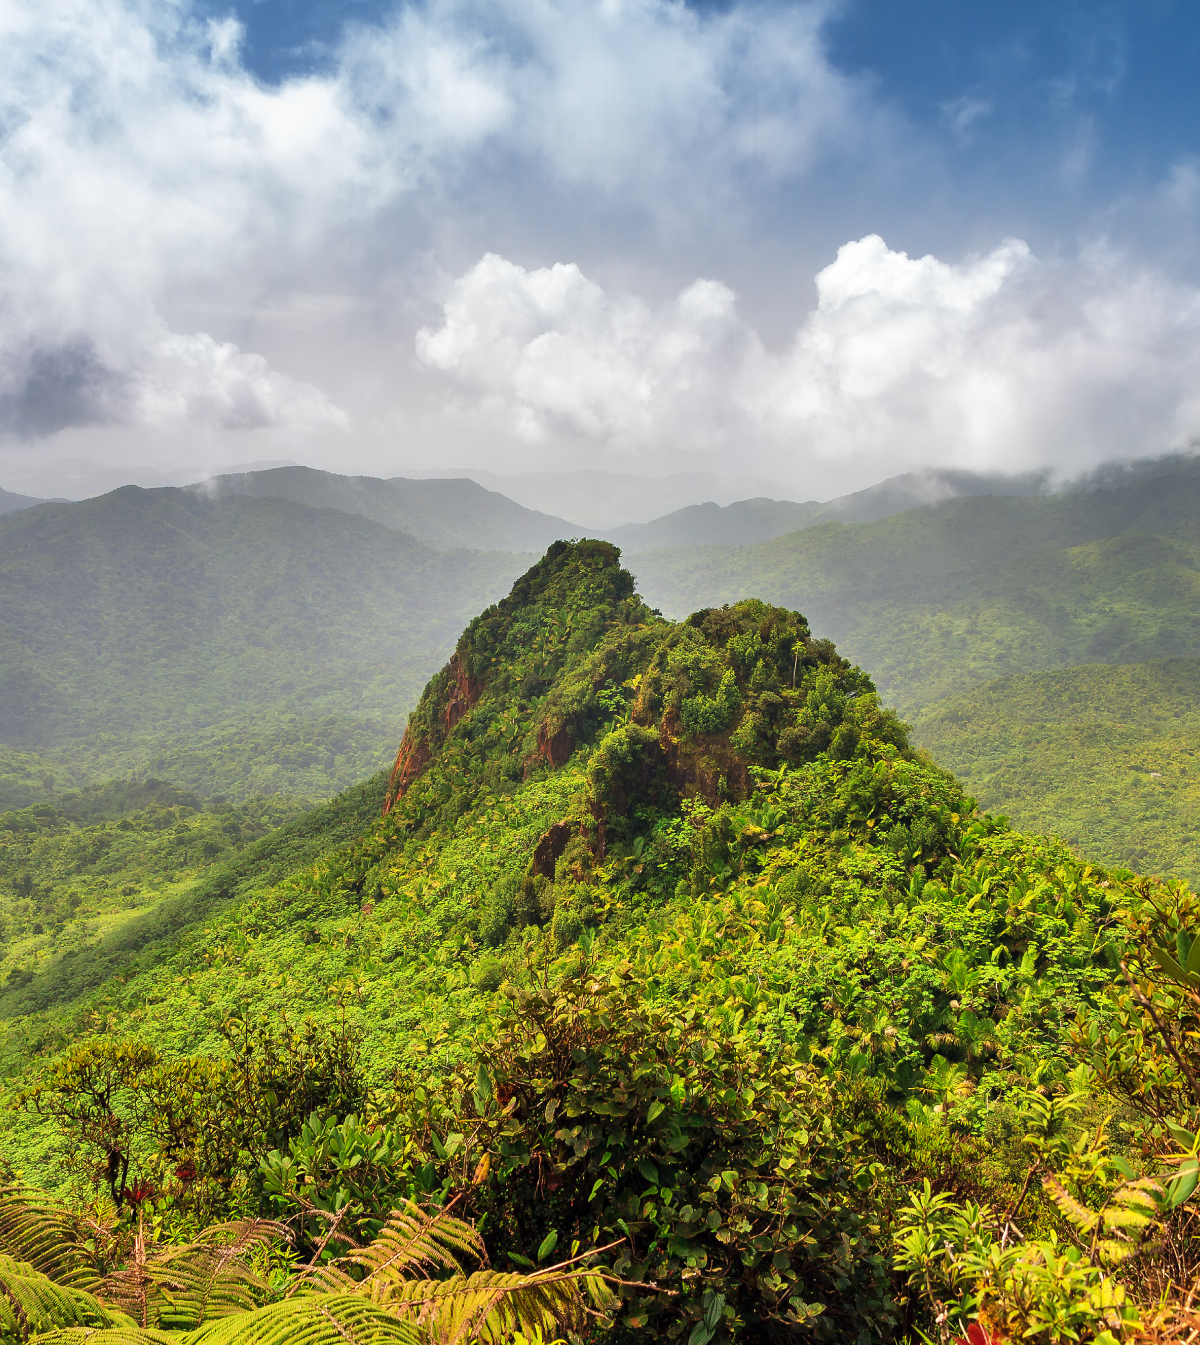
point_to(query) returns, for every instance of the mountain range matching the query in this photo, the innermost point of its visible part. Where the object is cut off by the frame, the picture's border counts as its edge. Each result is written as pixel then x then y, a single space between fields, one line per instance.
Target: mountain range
pixel 236 643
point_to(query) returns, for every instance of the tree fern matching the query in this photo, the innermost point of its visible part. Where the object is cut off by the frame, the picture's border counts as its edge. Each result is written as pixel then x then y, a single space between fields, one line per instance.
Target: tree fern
pixel 410 1243
pixel 117 1335
pixel 48 1236
pixel 31 1303
pixel 490 1306
pixel 1123 1226
pixel 312 1319
pixel 180 1287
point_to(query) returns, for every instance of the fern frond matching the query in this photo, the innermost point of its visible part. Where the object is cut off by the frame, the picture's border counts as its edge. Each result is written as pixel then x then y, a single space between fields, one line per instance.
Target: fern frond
pixel 118 1335
pixel 312 1319
pixel 48 1236
pixel 490 1306
pixel 108 1336
pixel 1112 1252
pixel 211 1278
pixel 182 1287
pixel 31 1302
pixel 410 1243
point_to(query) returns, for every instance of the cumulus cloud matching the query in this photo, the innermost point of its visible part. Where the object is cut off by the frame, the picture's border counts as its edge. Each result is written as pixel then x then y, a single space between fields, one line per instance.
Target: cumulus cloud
pixel 998 362
pixel 141 165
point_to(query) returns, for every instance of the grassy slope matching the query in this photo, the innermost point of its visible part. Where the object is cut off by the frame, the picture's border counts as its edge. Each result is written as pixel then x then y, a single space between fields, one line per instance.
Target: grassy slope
pixel 1106 757
pixel 936 599
pixel 159 628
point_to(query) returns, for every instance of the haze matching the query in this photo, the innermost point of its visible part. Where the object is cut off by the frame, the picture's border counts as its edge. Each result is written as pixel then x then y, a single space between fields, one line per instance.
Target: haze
pixel 808 245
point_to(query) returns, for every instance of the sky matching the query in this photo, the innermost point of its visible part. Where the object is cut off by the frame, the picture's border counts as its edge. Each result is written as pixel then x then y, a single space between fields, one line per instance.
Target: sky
pixel 809 244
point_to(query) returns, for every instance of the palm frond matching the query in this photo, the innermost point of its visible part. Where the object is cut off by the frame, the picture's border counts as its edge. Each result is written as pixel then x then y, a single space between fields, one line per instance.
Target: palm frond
pixel 36 1229
pixel 312 1319
pixel 31 1302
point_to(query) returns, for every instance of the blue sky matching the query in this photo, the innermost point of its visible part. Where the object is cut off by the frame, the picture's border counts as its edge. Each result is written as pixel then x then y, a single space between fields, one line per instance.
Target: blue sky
pixel 817 242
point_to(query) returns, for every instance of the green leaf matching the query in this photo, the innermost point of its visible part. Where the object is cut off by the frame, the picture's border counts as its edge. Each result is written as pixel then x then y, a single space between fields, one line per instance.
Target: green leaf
pixel 549 1242
pixel 648 1170
pixel 520 1260
pixel 1184 1138
pixel 1170 966
pixel 1182 1187
pixel 656 1110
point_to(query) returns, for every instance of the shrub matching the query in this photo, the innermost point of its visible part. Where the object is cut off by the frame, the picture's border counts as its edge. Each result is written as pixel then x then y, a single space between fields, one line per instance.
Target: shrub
pixel 706 1163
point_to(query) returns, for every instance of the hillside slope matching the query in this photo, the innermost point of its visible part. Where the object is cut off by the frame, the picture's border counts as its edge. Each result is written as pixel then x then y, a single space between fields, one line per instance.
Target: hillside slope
pixel 10 502
pixel 748 522
pixel 444 513
pixel 133 625
pixel 971 589
pixel 666 946
pixel 1106 757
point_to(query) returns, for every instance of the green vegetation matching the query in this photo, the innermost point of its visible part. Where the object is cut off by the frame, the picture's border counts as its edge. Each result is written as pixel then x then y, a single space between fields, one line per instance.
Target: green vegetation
pixel 1106 757
pixel 444 513
pixel 973 589
pixel 129 935
pixel 149 631
pixel 668 952
pixel 73 870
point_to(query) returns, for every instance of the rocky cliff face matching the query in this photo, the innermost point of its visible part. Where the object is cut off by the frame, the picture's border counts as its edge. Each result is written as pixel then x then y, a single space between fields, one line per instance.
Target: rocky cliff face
pixel 508 660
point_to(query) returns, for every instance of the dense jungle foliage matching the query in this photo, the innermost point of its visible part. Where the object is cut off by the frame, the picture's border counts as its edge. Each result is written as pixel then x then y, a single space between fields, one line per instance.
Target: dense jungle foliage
pixel 713 1007
pixel 974 589
pixel 1106 757
pixel 251 646
pixel 75 870
pixel 143 630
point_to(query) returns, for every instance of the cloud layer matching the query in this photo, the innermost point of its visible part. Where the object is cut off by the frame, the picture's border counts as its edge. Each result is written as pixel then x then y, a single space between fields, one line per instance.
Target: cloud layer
pixel 141 166
pixel 999 362
pixel 158 204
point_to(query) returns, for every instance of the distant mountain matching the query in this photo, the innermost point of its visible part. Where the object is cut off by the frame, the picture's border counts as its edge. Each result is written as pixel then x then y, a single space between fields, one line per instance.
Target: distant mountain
pixel 976 587
pixel 741 524
pixel 600 501
pixel 10 503
pixel 166 628
pixel 747 522
pixel 444 513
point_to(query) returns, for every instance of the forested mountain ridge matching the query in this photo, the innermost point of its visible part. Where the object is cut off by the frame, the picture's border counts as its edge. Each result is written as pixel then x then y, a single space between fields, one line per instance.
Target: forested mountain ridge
pixel 975 588
pixel 669 951
pixel 444 513
pixel 1106 757
pixel 747 522
pixel 10 502
pixel 134 624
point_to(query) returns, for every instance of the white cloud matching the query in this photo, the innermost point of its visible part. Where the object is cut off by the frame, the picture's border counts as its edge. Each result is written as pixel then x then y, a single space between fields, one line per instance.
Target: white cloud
pixel 549 349
pixel 141 165
pixel 999 362
pixel 194 380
